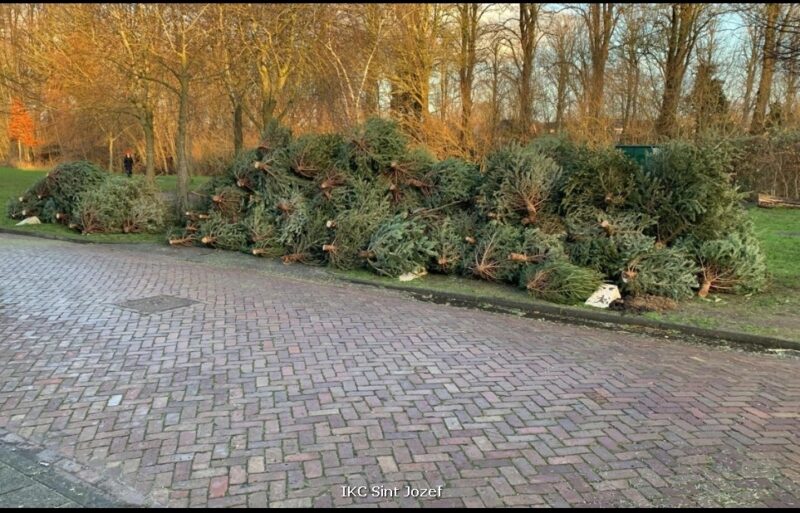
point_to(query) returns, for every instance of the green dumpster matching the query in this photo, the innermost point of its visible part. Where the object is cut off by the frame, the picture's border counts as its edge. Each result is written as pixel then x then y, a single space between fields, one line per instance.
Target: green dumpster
pixel 637 152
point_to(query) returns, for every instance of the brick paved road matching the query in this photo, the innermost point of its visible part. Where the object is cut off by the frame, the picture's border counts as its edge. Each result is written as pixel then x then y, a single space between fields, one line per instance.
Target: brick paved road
pixel 275 391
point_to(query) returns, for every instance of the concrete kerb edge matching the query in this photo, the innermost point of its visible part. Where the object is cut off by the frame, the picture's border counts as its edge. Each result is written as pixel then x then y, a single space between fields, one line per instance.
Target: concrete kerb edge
pixel 12 231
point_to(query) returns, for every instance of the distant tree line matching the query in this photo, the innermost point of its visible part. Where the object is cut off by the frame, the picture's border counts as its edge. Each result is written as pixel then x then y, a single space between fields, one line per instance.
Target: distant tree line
pixel 186 85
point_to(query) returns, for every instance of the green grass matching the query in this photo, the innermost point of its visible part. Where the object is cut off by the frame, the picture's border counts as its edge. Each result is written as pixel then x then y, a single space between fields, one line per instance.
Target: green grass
pixel 13 182
pixel 169 183
pixel 774 312
pixel 779 233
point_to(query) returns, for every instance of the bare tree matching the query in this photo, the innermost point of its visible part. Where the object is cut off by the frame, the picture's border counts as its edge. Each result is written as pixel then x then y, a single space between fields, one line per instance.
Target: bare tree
pixel 681 28
pixel 751 52
pixel 355 69
pixel 563 39
pixel 600 21
pixel 469 17
pixel 230 46
pixel 524 37
pixel 179 55
pixel 414 52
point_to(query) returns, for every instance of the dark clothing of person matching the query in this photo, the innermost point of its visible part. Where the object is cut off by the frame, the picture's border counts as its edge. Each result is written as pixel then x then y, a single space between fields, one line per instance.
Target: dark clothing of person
pixel 127 162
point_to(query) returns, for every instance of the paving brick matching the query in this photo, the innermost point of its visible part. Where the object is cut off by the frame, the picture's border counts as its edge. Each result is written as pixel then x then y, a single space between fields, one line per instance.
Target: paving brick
pixel 271 391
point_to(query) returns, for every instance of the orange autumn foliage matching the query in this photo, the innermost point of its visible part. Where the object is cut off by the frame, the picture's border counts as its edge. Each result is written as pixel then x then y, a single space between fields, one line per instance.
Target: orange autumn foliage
pixel 20 124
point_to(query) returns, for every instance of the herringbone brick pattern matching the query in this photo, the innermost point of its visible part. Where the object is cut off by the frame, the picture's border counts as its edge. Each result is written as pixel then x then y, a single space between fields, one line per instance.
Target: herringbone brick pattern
pixel 274 391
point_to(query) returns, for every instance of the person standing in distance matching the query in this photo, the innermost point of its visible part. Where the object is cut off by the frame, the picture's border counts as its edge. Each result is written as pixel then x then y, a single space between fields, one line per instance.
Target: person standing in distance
pixel 127 163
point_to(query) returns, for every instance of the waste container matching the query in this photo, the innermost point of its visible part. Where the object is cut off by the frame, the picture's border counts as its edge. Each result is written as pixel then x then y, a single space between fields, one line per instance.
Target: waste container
pixel 637 152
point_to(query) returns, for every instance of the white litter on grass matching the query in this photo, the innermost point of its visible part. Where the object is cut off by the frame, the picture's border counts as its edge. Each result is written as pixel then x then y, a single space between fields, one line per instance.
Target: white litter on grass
pixel 29 220
pixel 604 296
pixel 413 275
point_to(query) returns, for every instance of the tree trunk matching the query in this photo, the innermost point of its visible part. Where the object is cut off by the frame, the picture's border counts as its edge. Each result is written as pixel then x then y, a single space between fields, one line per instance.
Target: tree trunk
pixel 683 32
pixel 468 20
pixel 561 99
pixel 767 69
pixel 666 124
pixel 528 22
pixel 268 105
pixel 110 154
pixel 238 131
pixel 444 88
pixel 149 147
pixel 750 78
pixel 600 23
pixel 371 98
pixel 180 147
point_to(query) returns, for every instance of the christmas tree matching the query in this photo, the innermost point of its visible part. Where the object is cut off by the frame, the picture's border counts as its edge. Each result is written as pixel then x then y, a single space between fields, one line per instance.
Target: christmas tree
pixel 606 242
pixel 560 281
pixel 375 144
pixel 120 205
pixel 352 228
pixel 312 154
pixel 518 184
pixel 666 272
pixel 399 246
pixel 230 202
pixel 491 257
pixel 219 232
pixel 733 264
pixel 448 244
pixel 455 183
pixel 406 178
pixel 688 189
pixel 605 179
pixel 262 231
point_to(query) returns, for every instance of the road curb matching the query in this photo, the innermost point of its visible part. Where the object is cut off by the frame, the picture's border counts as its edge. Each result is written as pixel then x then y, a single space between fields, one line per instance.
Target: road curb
pixel 573 315
pixel 57 478
pixel 12 231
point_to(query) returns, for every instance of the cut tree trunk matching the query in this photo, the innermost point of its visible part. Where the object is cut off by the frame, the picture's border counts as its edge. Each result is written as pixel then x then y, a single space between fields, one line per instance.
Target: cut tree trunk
pixel 705 288
pixel 767 201
pixel 182 241
pixel 292 257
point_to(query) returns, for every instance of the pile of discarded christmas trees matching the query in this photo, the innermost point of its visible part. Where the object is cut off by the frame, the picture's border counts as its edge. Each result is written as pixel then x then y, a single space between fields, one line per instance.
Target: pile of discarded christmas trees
pixel 552 217
pixel 88 199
